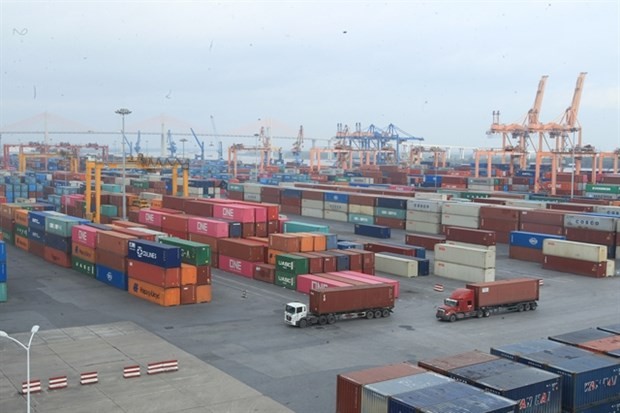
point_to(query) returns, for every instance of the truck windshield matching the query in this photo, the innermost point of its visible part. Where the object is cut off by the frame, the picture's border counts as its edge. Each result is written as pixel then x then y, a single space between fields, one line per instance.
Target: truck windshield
pixel 450 302
pixel 290 309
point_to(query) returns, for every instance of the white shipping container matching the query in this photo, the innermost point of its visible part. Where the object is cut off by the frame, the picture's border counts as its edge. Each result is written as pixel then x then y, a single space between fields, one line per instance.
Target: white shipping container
pixel 362 180
pixel 251 187
pixel 335 206
pixel 524 203
pixel 430 217
pixel 431 195
pixel 195 191
pixel 335 215
pixel 460 221
pixel 470 245
pixel 607 210
pixel 576 250
pixel 424 205
pixel 150 196
pixel 311 203
pixel 423 227
pixel 593 222
pixel 361 209
pixel 458 254
pixel 611 268
pixel 251 196
pixel 468 209
pixel 312 212
pixel 402 267
pixel 480 188
pixel 463 272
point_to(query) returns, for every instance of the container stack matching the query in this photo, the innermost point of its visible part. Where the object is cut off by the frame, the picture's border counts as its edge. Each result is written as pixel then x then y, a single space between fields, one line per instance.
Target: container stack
pixel 528 246
pixel 20 235
pixel 84 249
pixel 593 229
pixel 154 273
pixel 577 258
pixel 336 206
pixel 544 221
pixel 58 238
pixel 391 212
pixel 3 273
pixel 111 252
pixel 288 267
pixel 195 270
pixel 461 214
pixel 361 209
pixel 424 216
pixel 238 256
pixel 589 381
pixel 290 201
pixel 500 219
pixel 464 263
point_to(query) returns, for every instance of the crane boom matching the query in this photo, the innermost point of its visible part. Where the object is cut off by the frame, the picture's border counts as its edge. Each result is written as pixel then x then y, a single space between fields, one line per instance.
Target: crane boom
pixel 570 116
pixel 533 114
pixel 201 145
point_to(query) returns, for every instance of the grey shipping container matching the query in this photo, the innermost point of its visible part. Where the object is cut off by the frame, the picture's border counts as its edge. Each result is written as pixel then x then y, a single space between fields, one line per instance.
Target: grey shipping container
pixel 587 378
pixel 612 328
pixel 581 336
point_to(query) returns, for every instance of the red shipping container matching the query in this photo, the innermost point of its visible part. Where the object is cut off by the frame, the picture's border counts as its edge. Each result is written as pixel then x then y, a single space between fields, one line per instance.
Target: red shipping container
pixel 36 248
pixel 426 241
pixel 152 274
pixel 236 266
pixel 57 257
pixel 112 260
pixel 247 229
pixel 355 259
pixel 199 208
pixel 498 225
pixel 525 254
pixel 84 235
pixel 113 241
pixel 203 239
pixel 307 282
pixel 260 229
pixel 174 222
pixel 591 236
pixel 173 202
pixel 134 233
pixel 472 236
pixel 248 250
pixel 239 213
pixel 571 207
pixel 573 266
pixel 500 212
pixel 209 227
pixel 188 294
pixel 541 228
pixel 265 272
pixel 390 222
pixel 203 274
pixel 384 280
pixel 329 261
pixel 543 216
pixel 127 224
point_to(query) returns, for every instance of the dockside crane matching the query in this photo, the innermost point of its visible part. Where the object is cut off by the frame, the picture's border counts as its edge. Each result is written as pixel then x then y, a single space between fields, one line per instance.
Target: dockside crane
pixel 128 145
pixel 298 145
pixel 172 146
pixel 136 146
pixel 220 148
pixel 201 146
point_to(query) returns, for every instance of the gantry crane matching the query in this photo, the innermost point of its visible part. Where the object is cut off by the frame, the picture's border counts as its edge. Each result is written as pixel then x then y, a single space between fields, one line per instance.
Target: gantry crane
pixel 298 145
pixel 263 148
pixel 63 150
pixel 94 168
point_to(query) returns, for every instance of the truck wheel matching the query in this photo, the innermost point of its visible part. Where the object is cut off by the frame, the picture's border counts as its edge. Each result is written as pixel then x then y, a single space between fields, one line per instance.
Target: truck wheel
pixel 487 313
pixel 520 308
pixel 303 323
pixel 533 306
pixel 453 318
pixel 378 313
pixel 370 314
pixel 385 313
pixel 480 314
pixel 331 319
pixel 527 306
pixel 322 320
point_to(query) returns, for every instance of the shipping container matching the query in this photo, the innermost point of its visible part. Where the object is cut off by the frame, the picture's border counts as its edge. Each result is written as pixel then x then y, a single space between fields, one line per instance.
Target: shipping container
pixel 265 272
pixel 531 239
pixel 443 365
pixel 242 249
pixel 193 253
pixel 57 257
pixel 473 257
pixel 153 274
pixel 285 279
pixel 505 291
pixel 351 299
pixel 612 328
pixel 113 242
pixel 83 266
pixel 609 346
pixel 590 221
pixel 396 265
pixel 575 250
pixel 111 277
pixel 307 282
pixel 236 265
pixel 575 266
pixel 472 236
pixel 154 253
pixel 158 295
pixel 463 272
pixel 84 235
pixel 581 336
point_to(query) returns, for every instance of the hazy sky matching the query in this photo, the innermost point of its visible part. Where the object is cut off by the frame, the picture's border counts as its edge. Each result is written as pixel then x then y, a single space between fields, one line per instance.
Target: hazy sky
pixel 436 69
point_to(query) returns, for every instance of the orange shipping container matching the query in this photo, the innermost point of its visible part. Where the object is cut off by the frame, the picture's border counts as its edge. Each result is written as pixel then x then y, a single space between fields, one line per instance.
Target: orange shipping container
pixel 189 274
pixel 203 294
pixel 152 274
pixel 85 253
pixel 21 217
pixel 113 241
pixel 57 257
pixel 320 242
pixel 21 242
pixel 306 243
pixel 166 297
pixel 271 255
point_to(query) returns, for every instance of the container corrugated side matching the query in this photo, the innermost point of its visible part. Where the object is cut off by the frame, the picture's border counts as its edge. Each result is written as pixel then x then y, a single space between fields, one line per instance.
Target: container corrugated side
pixel 532 240
pixel 473 257
pixel 403 267
pixel 581 336
pixel 575 250
pixel 590 221
pixel 463 272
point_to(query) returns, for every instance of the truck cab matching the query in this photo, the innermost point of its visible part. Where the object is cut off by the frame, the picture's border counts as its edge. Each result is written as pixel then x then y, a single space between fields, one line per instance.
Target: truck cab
pixel 295 312
pixel 460 304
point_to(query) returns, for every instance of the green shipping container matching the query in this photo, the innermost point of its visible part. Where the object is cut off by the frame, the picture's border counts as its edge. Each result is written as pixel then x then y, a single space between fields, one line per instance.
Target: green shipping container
pixel 474 195
pixel 21 230
pixel 286 280
pixel 295 226
pixel 60 225
pixel 112 188
pixel 342 179
pixel 83 266
pixel 235 187
pixel 292 264
pixel 361 219
pixel 391 213
pixel 3 292
pixel 138 183
pixel 109 210
pixel 603 189
pixel 193 253
pixel 7 237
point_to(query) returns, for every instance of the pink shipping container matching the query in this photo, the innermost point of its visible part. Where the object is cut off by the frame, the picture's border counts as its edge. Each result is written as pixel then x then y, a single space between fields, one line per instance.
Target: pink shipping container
pixel 373 278
pixel 260 214
pixel 208 227
pixel 151 217
pixel 240 213
pixel 70 200
pixel 84 235
pixel 307 282
pixel 236 266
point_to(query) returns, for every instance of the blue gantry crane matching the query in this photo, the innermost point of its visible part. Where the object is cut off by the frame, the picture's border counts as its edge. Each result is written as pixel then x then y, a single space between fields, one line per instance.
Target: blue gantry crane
pixel 201 146
pixel 172 146
pixel 136 146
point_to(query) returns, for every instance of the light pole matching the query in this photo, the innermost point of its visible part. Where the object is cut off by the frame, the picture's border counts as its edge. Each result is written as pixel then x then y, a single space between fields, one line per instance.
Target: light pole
pixel 123 112
pixel 183 140
pixel 33 331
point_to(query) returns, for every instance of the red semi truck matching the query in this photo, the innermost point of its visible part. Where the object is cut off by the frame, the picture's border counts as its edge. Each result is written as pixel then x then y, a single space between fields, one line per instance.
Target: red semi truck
pixel 335 303
pixel 481 299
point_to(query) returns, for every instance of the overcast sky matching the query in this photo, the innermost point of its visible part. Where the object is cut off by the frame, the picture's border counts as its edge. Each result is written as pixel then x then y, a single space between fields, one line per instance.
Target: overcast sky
pixel 436 69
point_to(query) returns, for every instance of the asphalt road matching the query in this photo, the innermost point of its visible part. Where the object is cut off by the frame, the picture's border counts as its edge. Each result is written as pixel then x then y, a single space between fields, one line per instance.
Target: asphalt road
pixel 247 338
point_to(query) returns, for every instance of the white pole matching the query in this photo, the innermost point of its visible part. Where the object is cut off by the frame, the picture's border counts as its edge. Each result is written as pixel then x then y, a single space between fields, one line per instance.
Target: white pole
pixel 33 331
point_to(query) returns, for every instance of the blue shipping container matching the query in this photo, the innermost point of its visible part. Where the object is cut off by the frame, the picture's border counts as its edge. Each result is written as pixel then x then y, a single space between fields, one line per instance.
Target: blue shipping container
pixel 532 240
pixel 3 272
pixel 36 234
pixel 424 397
pixel 345 245
pixel 331 241
pixel 36 219
pixel 291 193
pixel 154 253
pixel 587 378
pixel 58 243
pixel 2 251
pixel 376 231
pixel 394 203
pixel 111 277
pixel 424 265
pixel 575 338
pixel 336 197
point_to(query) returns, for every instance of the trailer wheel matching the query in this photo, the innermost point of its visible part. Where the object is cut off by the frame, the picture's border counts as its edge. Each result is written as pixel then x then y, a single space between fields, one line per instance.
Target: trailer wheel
pixel 453 318
pixel 527 307
pixel 520 308
pixel 331 319
pixel 487 313
pixel 385 313
pixel 378 313
pixel 370 314
pixel 533 306
pixel 322 320
pixel 479 314
pixel 303 323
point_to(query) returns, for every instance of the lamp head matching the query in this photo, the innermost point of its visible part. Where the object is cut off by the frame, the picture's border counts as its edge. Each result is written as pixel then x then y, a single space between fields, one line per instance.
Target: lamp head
pixel 3 333
pixel 34 329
